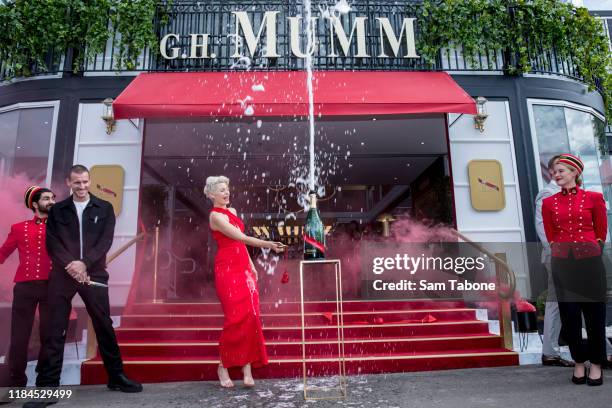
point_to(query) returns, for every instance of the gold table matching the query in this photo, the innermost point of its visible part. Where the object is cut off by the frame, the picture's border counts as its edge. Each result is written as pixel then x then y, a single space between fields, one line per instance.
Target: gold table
pixel 339 391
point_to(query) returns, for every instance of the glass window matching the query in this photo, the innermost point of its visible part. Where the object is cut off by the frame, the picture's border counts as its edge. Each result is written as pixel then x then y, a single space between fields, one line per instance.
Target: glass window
pixel 25 137
pixel 584 145
pixel 551 133
pixel 560 129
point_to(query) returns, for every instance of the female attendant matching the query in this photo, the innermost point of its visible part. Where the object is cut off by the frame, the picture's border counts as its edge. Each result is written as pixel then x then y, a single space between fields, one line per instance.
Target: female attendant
pixel 576 225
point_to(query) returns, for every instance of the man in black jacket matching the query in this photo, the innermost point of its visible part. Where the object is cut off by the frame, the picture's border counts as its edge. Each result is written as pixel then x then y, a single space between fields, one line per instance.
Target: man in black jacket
pixel 80 232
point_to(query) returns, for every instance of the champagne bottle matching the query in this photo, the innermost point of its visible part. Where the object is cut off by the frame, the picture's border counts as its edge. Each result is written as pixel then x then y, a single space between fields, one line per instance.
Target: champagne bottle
pixel 314 232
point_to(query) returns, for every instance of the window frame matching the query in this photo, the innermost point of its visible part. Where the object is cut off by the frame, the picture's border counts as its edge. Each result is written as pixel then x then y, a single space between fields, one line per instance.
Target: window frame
pixel 532 128
pixel 42 104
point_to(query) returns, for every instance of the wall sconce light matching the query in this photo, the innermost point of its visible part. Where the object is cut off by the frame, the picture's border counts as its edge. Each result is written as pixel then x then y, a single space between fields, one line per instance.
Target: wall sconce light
pixel 386 220
pixel 481 115
pixel 107 115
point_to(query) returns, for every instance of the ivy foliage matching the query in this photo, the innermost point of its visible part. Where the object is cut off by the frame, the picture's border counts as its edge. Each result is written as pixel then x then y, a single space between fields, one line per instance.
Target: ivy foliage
pixel 31 31
pixel 134 21
pixel 524 30
pixel 478 26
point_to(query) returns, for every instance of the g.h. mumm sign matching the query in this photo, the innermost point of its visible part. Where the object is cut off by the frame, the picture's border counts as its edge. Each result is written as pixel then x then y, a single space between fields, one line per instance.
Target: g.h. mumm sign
pixel 197 46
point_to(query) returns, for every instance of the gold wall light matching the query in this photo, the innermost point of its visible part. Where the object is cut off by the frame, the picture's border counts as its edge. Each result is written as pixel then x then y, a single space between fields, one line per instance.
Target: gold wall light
pixel 107 115
pixel 481 115
pixel 386 220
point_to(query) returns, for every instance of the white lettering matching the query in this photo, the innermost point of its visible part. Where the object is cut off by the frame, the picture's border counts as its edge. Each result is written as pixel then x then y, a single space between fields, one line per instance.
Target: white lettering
pixel 425 285
pixel 401 285
pixel 358 29
pixel 163 47
pixel 407 30
pixel 377 266
pixel 341 43
pixel 268 23
pixel 201 46
pixel 467 285
pixel 377 284
pixel 480 263
pixel 294 35
pixel 416 262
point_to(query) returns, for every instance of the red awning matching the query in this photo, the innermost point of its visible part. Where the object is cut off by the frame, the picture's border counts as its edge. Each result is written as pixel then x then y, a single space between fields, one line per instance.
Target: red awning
pixel 284 93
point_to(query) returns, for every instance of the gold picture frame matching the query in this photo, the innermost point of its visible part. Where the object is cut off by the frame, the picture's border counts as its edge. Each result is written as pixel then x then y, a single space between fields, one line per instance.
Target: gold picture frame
pixel 486 185
pixel 107 182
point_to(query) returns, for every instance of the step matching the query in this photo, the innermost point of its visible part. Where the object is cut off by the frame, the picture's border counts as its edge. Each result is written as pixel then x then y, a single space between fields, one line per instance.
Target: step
pixel 365 345
pixel 312 332
pixel 188 369
pixel 285 319
pixel 294 307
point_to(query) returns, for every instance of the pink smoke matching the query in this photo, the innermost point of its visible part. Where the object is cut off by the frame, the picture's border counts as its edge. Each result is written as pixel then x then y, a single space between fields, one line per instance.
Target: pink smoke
pixel 282 281
pixel 407 230
pixel 14 210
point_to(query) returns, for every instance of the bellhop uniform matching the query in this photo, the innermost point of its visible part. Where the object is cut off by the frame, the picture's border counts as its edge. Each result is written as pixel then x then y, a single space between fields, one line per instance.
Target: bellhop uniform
pixel 64 237
pixel 29 292
pixel 576 225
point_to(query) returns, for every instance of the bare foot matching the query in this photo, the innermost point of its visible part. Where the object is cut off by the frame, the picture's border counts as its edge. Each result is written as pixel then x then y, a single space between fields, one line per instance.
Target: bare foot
pixel 579 370
pixel 595 372
pixel 248 377
pixel 224 378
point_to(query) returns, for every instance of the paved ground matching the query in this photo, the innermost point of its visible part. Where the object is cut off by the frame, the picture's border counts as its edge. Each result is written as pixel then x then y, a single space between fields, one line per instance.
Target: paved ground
pixel 524 386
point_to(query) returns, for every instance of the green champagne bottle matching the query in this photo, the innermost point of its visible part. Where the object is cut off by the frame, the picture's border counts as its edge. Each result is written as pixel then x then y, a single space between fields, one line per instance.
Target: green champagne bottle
pixel 314 232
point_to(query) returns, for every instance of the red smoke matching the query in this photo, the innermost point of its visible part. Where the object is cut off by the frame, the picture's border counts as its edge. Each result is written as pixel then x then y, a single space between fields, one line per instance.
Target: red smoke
pixel 14 210
pixel 407 230
pixel 281 283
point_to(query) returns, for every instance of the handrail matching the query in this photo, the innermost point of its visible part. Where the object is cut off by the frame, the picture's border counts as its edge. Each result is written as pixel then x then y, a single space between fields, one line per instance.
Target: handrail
pixel 110 258
pixel 92 343
pixel 509 272
pixel 504 313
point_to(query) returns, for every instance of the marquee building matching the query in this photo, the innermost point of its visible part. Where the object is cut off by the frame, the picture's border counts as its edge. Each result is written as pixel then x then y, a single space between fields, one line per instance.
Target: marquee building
pixel 398 140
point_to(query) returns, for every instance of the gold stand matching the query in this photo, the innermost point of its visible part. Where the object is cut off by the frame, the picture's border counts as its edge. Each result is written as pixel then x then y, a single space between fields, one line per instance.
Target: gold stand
pixel 155 264
pixel 340 389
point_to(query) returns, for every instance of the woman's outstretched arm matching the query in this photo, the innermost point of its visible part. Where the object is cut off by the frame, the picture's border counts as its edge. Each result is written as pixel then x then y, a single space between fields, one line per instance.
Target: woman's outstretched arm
pixel 219 222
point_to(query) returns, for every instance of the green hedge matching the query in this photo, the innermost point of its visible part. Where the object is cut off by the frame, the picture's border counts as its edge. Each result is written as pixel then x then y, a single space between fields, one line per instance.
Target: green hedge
pixel 30 29
pixel 482 26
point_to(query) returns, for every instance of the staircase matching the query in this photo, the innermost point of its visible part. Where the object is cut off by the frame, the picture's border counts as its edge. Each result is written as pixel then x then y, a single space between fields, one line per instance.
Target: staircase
pixel 179 342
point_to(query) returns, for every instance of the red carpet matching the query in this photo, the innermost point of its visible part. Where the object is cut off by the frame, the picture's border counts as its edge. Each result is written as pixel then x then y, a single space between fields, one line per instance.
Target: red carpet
pixel 178 342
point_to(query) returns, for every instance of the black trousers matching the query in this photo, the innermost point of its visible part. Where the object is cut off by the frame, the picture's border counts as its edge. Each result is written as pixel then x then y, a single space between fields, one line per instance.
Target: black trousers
pixel 62 289
pixel 26 297
pixel 580 286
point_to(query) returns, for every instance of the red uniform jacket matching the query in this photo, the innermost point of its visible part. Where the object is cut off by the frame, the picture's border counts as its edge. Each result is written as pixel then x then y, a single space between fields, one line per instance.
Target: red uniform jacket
pixel 29 238
pixel 575 221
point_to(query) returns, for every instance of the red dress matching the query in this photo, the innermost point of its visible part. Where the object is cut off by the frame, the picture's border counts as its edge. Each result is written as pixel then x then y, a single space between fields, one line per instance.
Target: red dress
pixel 242 340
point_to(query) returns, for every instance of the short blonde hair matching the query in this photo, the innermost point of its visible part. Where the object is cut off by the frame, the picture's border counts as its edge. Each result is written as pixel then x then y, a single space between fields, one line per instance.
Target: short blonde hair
pixel 212 184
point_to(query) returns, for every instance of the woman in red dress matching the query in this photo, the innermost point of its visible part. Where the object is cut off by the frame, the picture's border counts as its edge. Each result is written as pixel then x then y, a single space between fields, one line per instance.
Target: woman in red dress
pixel 242 342
pixel 576 225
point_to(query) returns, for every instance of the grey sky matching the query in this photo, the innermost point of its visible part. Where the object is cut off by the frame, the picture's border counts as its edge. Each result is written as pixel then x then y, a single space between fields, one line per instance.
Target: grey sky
pixel 598 4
